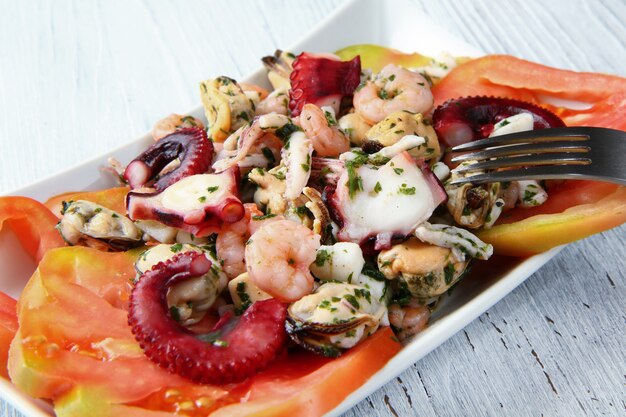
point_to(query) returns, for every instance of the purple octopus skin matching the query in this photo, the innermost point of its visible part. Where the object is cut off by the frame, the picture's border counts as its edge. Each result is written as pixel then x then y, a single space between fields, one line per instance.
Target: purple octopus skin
pixel 190 145
pixel 224 355
pixel 463 120
pixel 221 205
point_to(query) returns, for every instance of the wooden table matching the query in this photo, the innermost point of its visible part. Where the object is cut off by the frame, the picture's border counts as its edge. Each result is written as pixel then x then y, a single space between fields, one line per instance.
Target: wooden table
pixel 88 76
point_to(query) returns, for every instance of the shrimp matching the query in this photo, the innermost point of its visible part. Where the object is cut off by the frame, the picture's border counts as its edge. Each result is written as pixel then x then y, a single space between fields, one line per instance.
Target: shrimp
pixel 278 256
pixel 408 321
pixel 276 102
pixel 172 123
pixel 231 240
pixel 321 127
pixel 393 89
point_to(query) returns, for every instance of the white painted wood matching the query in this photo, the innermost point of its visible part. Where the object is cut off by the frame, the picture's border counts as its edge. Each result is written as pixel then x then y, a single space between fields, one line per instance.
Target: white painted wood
pixel 90 75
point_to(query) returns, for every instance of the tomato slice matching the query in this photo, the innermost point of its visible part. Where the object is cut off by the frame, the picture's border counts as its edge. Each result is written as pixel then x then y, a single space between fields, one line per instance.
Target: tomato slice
pixel 32 223
pixel 111 198
pixel 74 347
pixel 507 76
pixel 8 327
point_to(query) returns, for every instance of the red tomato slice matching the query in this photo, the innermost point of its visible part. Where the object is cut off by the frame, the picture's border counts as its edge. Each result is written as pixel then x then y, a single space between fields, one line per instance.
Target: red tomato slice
pixel 32 223
pixel 507 76
pixel 74 347
pixel 8 327
pixel 111 198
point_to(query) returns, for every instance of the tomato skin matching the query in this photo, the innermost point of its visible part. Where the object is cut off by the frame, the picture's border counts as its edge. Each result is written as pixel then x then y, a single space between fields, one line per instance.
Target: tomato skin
pixel 74 347
pixel 8 327
pixel 111 198
pixel 542 232
pixel 507 76
pixel 32 223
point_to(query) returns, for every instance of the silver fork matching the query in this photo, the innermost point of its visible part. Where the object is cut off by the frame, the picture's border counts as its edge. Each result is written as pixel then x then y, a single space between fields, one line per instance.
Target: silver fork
pixel 560 153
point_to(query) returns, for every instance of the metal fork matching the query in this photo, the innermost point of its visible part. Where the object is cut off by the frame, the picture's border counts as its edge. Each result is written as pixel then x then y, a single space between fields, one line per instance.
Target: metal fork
pixel 560 153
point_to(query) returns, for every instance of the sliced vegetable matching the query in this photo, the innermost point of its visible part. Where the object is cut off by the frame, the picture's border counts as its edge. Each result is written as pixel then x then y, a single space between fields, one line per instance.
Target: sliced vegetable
pixel 8 327
pixel 507 76
pixel 111 198
pixel 100 369
pixel 32 223
pixel 542 232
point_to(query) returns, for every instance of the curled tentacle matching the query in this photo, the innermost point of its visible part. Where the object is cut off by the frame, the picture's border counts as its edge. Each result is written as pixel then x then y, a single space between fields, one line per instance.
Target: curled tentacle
pixel 466 119
pixel 222 356
pixel 196 204
pixel 322 81
pixel 190 146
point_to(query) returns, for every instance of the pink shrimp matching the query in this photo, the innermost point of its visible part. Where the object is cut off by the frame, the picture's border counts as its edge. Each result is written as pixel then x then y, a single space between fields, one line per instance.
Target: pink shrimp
pixel 393 89
pixel 278 256
pixel 172 123
pixel 322 129
pixel 408 321
pixel 231 239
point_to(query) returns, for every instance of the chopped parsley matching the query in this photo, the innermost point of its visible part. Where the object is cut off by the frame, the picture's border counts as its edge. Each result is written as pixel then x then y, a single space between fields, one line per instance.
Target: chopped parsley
pixel 378 188
pixel 177 247
pixel 264 216
pixel 243 296
pixel 448 273
pixel 322 256
pixel 398 171
pixel 268 154
pixel 406 190
pixel 213 189
pixel 202 199
pixel 283 133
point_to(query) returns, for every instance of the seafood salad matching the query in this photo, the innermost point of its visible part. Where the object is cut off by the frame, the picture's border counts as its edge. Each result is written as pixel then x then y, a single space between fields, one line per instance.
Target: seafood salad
pixel 292 238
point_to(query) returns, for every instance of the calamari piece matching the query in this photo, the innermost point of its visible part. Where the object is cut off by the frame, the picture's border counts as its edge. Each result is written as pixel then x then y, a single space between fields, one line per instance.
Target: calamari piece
pixel 342 261
pixel 188 149
pixel 460 241
pixel 195 204
pixel 384 202
pixel 297 158
pixel 276 124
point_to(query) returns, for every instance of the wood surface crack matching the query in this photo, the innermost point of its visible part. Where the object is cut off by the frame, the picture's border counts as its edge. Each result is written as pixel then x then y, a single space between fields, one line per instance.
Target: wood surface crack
pixel 469 341
pixel 423 385
pixel 610 280
pixel 389 406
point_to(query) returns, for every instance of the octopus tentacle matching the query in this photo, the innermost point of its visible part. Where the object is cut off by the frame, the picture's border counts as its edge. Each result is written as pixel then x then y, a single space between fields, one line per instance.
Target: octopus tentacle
pixel 222 356
pixel 462 120
pixel 190 146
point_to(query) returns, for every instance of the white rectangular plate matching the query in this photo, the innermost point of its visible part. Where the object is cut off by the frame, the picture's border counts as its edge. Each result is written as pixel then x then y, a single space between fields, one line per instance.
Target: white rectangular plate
pixel 377 23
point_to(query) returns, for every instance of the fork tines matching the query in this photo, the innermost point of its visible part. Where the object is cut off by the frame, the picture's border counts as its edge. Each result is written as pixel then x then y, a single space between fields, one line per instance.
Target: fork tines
pixel 541 154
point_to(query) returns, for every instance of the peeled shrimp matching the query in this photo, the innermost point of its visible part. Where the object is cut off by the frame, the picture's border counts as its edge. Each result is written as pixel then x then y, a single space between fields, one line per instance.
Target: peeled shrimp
pixel 172 123
pixel 278 256
pixel 276 102
pixel 231 240
pixel 393 89
pixel 408 321
pixel 321 127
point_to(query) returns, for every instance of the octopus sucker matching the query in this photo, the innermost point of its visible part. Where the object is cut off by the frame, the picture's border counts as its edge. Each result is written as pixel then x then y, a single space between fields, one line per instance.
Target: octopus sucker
pixel 224 355
pixel 197 204
pixel 189 146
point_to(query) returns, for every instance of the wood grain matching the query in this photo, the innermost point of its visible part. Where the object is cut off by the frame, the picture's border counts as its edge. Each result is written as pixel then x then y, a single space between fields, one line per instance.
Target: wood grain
pixel 78 69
